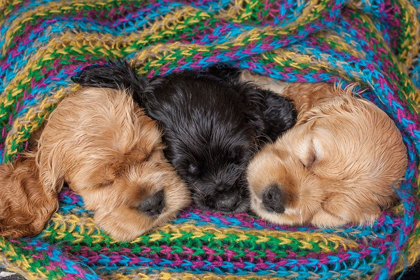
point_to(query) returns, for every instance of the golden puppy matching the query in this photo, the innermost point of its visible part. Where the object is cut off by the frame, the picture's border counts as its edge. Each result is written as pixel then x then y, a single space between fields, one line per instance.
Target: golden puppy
pixel 110 153
pixel 338 165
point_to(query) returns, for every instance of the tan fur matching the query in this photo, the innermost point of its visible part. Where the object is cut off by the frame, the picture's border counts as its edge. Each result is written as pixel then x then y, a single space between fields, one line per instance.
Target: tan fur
pixel 338 165
pixel 24 205
pixel 110 153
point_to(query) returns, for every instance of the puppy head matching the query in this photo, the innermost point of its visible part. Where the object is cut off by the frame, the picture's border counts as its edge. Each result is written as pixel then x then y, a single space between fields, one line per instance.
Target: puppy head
pixel 209 136
pixel 111 154
pixel 215 170
pixel 338 165
pixel 25 207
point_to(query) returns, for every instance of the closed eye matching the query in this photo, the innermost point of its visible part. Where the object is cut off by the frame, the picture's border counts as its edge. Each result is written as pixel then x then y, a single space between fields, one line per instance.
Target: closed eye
pixel 152 154
pixel 138 155
pixel 106 183
pixel 309 158
pixel 309 161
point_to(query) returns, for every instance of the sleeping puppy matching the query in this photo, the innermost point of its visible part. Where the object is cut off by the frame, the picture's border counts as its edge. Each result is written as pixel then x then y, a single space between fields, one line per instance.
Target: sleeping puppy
pixel 109 152
pixel 213 125
pixel 338 165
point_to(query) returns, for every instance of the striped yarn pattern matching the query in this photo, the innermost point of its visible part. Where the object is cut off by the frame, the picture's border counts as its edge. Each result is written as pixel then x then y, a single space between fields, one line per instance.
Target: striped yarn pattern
pixel 43 43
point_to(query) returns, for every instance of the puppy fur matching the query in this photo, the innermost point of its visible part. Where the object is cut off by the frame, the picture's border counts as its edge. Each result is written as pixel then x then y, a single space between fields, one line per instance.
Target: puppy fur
pixel 25 206
pixel 338 165
pixel 212 124
pixel 108 151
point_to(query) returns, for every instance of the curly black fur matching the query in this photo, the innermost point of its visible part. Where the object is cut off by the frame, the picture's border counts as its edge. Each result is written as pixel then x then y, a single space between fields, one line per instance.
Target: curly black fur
pixel 213 125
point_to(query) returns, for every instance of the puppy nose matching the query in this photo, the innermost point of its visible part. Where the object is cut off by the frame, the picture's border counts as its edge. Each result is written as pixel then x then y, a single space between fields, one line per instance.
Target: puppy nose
pixel 227 203
pixel 153 205
pixel 272 199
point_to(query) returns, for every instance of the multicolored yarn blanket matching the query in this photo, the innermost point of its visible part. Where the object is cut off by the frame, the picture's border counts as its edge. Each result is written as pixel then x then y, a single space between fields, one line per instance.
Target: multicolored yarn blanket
pixel 372 42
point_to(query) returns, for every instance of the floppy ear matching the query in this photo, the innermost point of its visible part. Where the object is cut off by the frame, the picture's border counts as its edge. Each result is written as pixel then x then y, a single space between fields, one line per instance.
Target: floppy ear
pixel 252 102
pixel 49 159
pixel 270 113
pixel 224 71
pixel 307 96
pixel 114 75
pixel 279 114
pixel 25 206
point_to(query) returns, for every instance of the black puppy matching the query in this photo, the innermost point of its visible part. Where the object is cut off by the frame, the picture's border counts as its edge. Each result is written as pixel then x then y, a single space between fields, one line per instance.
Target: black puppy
pixel 212 125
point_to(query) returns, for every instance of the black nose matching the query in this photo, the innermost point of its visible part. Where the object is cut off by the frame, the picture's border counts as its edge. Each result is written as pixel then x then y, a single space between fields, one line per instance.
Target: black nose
pixel 273 199
pixel 227 202
pixel 223 202
pixel 153 205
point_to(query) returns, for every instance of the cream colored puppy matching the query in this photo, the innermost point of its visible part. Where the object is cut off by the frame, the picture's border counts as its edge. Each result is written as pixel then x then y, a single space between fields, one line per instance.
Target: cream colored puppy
pixel 338 165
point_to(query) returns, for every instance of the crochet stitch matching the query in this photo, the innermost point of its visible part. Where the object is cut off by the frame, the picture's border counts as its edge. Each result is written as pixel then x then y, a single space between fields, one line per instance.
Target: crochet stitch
pixel 43 43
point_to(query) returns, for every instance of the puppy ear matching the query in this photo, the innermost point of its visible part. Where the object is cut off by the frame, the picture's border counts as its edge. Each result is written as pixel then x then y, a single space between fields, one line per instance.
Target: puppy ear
pixel 49 159
pixel 306 96
pixel 224 71
pixel 279 114
pixel 113 75
pixel 253 104
pixel 25 206
pixel 270 113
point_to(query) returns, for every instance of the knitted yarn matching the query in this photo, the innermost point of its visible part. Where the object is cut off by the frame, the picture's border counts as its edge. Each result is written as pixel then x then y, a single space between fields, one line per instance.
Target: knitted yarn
pixel 372 42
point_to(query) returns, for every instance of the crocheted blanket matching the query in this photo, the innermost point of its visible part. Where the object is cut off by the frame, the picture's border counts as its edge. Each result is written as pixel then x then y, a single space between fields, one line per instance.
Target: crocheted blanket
pixel 373 42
